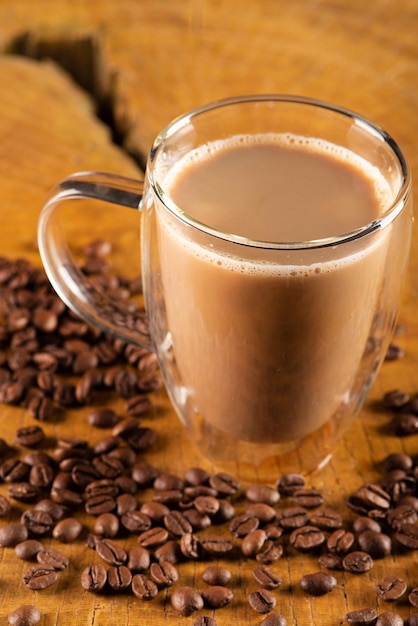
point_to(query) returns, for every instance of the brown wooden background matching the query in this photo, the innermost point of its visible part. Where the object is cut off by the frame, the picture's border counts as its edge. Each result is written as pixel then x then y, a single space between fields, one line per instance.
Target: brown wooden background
pixel 142 62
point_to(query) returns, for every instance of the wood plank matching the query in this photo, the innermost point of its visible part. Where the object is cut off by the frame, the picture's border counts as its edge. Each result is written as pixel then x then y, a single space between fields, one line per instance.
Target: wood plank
pixel 168 58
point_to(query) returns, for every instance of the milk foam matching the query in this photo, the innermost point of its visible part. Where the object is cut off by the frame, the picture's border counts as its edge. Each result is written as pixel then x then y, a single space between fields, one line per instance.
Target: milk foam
pixel 382 190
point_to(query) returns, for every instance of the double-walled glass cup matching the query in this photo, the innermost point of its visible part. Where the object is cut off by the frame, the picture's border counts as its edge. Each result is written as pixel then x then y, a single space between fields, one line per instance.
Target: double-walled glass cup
pixel 267 348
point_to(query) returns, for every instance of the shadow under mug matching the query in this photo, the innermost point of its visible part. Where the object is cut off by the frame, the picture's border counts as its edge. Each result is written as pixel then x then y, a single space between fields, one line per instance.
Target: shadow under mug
pixel 265 370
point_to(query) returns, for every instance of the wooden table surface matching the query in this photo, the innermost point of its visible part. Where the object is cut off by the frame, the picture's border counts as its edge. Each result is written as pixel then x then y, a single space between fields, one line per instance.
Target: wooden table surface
pixel 139 64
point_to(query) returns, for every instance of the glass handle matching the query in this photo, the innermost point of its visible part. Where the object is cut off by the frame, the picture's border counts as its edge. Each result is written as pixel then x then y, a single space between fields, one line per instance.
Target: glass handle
pixel 70 283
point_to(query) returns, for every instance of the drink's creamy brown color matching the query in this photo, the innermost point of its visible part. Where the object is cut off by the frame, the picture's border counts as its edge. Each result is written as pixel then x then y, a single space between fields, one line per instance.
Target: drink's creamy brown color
pixel 271 344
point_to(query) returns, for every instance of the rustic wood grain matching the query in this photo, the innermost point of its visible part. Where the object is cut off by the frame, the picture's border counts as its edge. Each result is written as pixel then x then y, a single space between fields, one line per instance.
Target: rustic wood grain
pixel 156 60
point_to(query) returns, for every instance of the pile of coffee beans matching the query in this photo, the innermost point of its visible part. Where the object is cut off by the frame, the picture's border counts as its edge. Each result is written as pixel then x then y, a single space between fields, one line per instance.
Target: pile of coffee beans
pixel 141 524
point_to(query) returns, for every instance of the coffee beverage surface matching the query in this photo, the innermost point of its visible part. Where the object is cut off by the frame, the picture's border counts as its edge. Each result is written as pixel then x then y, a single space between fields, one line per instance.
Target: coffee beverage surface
pixel 271 345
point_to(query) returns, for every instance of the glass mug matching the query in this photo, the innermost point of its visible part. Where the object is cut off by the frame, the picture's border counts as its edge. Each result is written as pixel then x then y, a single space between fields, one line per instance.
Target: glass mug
pixel 267 345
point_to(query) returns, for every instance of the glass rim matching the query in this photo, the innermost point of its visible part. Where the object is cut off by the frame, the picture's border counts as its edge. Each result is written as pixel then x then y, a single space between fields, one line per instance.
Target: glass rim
pixel 391 212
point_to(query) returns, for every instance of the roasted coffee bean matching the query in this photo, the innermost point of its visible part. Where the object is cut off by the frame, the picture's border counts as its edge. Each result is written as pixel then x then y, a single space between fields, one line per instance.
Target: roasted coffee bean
pixel 198 521
pixel 274 619
pixel 111 552
pixel 25 615
pixel 144 473
pixel 196 476
pixel 28 549
pixel 394 352
pixel 107 466
pixel 413 597
pixel 138 559
pixel 216 575
pixel 292 517
pixel 177 524
pixel 306 538
pixel 41 475
pixel 266 577
pixel 143 587
pixel 400 515
pixel 269 553
pixel 52 558
pixel 171 498
pixel 39 577
pixel 13 533
pixel 14 470
pixel 395 399
pixel 216 546
pixel 340 541
pixel 94 577
pixel 119 577
pixel 331 561
pixel 37 522
pixel 362 617
pixel 102 487
pixel 226 512
pixel 366 523
pixel 308 497
pixel 186 600
pixel 391 588
pixel 318 583
pixel 262 493
pixel 156 511
pixel 388 618
pixel 142 439
pixel 206 505
pixel 265 513
pixel 153 537
pixel 326 518
pixel 357 562
pixel 224 483
pixel 217 596
pixel 273 531
pixel 66 497
pixel 106 525
pixel 378 545
pixel 97 505
pixel 102 418
pixel 289 483
pixel 30 436
pixel 67 530
pixel 243 524
pixel 82 473
pixel 407 536
pixel 403 425
pixel 41 408
pixel 190 546
pixel 125 503
pixel 262 601
pixel 135 521
pixel 253 543
pixel 412 620
pixel 398 460
pixel 138 404
pixel 56 511
pixel 163 573
pixel 369 497
pixel 168 482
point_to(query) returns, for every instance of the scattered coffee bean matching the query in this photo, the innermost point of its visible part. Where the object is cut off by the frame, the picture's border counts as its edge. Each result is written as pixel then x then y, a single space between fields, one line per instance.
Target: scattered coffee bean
pixel 391 588
pixel 39 577
pixel 217 596
pixel 186 600
pixel 362 617
pixel 378 545
pixel 163 573
pixel 413 597
pixel 67 530
pixel 13 533
pixel 388 618
pixel 262 601
pixel 30 436
pixel 318 583
pixel 216 575
pixel 266 577
pixel 306 538
pixel 357 562
pixel 262 493
pixel 25 615
pixel 94 577
pixel 289 483
pixel 119 577
pixel 52 559
pixel 28 549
